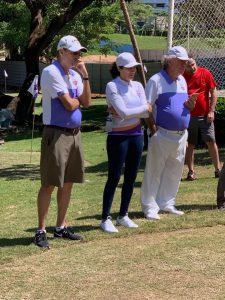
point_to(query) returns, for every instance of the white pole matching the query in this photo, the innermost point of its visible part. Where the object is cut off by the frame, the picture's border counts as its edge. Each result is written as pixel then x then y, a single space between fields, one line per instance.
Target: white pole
pixel 188 34
pixel 170 25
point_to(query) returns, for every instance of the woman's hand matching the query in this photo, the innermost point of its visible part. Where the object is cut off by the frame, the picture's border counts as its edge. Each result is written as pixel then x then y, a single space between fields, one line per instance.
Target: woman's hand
pixel 149 108
pixel 112 111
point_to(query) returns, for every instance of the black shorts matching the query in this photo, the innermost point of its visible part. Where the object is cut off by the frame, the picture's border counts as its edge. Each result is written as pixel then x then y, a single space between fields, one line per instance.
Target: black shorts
pixel 200 124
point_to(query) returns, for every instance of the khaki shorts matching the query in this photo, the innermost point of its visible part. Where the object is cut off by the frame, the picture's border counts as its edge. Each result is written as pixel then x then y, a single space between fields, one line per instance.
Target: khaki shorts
pixel 61 158
pixel 206 129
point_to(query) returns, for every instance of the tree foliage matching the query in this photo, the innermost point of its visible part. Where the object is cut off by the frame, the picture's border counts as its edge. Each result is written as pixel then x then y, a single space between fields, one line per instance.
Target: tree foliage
pixel 14 28
pixel 98 18
pixel 32 27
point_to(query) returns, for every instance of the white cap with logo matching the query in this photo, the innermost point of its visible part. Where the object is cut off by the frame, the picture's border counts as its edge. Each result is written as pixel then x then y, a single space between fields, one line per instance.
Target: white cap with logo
pixel 71 43
pixel 126 60
pixel 178 52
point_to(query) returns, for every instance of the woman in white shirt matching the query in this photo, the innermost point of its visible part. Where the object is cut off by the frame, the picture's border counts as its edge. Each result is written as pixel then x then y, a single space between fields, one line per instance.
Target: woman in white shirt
pixel 127 105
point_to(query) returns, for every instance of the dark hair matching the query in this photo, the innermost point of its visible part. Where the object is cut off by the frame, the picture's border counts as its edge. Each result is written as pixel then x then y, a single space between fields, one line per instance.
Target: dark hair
pixel 114 70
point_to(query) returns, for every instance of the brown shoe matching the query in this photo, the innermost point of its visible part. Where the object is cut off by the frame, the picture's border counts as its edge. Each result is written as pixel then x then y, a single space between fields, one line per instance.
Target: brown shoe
pixel 191 175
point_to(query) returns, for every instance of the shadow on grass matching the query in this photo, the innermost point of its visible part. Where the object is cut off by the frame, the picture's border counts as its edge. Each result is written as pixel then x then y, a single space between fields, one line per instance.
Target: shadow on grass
pixel 77 228
pixel 22 133
pixel 26 241
pixel 203 158
pixel 4 242
pixel 139 214
pixel 196 207
pixel 98 168
pixel 16 172
pixel 94 117
pixel 10 242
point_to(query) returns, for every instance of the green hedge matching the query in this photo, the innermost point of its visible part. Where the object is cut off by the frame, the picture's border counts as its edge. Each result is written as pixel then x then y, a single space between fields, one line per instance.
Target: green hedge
pixel 220 122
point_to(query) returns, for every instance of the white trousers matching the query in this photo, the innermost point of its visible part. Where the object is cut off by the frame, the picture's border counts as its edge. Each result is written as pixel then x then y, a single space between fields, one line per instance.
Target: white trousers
pixel 163 171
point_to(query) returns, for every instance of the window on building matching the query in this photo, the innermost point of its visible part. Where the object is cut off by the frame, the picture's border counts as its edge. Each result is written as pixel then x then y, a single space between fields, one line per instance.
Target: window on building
pixel 160 5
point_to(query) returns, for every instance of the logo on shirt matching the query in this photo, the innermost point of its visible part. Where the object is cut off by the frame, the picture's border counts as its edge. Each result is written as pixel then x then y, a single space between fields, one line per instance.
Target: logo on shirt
pixel 75 82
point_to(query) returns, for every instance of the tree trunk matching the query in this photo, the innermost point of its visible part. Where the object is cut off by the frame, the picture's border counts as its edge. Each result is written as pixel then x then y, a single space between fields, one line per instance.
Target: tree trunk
pixel 39 39
pixel 25 106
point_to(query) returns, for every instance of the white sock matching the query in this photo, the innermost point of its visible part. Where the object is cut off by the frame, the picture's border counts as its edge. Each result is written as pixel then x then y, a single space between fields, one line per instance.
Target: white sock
pixel 40 231
pixel 59 228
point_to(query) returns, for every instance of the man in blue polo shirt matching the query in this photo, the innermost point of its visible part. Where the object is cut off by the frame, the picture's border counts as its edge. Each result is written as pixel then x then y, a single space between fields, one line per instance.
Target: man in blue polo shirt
pixel 166 91
pixel 63 92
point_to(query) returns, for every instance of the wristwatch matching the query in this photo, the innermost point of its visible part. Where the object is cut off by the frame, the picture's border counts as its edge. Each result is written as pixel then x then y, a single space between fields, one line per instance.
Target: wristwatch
pixel 85 78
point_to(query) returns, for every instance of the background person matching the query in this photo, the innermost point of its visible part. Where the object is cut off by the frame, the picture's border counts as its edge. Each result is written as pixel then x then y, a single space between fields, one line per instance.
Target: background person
pixel 201 81
pixel 166 91
pixel 63 92
pixel 127 104
pixel 7 115
pixel 6 118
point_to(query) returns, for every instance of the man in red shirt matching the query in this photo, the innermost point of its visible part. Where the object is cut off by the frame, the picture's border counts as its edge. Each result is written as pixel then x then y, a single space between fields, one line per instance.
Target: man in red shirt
pixel 201 81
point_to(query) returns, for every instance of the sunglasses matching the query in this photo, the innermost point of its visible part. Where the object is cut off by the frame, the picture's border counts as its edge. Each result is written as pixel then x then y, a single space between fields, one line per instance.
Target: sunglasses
pixel 73 53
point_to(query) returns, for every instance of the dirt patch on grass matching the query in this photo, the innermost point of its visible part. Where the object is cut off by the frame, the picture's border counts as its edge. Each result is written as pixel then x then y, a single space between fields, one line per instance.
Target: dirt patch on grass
pixel 99 58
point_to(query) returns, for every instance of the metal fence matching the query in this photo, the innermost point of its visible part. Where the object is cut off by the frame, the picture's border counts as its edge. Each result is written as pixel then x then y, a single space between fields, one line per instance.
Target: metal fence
pixel 199 26
pixel 99 74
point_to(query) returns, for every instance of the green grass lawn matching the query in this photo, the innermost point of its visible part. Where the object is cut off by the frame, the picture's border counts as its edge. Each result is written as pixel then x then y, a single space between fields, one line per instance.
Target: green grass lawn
pixel 160 42
pixel 173 258
pixel 144 42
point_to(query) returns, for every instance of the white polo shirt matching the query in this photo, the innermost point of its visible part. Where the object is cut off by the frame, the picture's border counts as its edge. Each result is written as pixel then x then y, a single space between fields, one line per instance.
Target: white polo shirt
pixel 54 83
pixel 167 97
pixel 129 101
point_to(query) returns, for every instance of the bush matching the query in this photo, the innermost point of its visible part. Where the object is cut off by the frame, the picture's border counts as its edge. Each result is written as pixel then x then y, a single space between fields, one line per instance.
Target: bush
pixel 220 122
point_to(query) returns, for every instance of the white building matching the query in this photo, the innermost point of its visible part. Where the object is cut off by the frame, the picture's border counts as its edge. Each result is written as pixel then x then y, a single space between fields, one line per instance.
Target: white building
pixel 158 5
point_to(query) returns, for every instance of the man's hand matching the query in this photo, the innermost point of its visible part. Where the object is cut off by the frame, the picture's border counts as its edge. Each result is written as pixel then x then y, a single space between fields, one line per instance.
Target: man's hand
pixel 190 103
pixel 210 116
pixel 85 98
pixel 81 68
pixel 150 122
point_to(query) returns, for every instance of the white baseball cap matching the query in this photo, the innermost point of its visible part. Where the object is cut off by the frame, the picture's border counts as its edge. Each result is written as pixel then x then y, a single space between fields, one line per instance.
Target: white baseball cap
pixel 71 43
pixel 126 60
pixel 178 52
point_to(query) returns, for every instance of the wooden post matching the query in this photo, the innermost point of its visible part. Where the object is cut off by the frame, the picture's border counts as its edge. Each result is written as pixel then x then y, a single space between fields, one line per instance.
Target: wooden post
pixel 133 40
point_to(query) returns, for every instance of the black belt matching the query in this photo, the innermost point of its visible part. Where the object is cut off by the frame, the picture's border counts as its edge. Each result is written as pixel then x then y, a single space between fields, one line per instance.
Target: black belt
pixel 73 131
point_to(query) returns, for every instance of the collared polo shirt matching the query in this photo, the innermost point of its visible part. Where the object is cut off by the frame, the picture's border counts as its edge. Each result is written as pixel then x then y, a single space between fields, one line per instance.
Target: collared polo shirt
pixel 168 97
pixel 54 83
pixel 129 101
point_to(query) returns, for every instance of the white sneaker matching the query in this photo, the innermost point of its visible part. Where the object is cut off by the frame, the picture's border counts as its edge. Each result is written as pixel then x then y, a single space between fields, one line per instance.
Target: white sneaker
pixel 173 210
pixel 152 216
pixel 126 222
pixel 108 226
